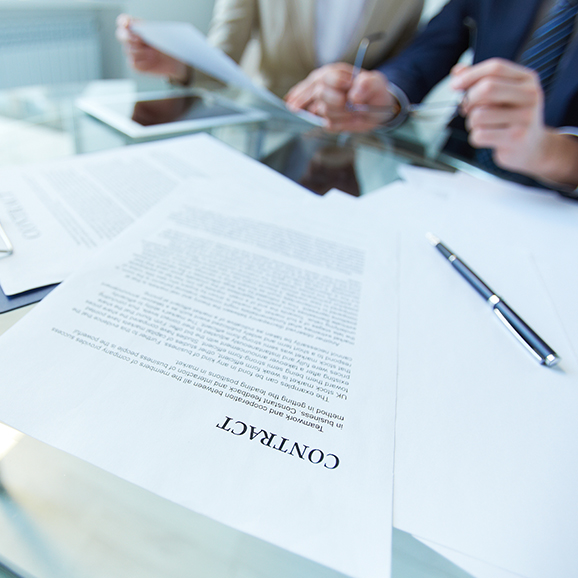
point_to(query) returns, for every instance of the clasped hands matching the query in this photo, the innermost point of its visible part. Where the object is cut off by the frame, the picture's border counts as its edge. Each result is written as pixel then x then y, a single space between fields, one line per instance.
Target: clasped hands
pixel 503 106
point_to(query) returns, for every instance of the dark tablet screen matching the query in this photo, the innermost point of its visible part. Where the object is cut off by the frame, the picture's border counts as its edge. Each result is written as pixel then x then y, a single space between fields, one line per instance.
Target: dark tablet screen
pixel 152 112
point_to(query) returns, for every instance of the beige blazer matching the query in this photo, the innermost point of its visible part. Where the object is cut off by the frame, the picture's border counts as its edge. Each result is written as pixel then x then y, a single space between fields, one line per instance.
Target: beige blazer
pixel 284 30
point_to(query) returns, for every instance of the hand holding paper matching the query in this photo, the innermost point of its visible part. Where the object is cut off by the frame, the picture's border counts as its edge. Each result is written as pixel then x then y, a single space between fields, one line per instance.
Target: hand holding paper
pixel 146 58
pixel 185 43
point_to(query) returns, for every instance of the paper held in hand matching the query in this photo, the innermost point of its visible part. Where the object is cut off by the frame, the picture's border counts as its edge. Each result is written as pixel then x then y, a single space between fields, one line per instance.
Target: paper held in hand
pixel 185 43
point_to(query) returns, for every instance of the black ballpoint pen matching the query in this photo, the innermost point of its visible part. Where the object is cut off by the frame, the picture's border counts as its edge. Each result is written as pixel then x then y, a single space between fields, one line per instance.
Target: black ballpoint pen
pixel 539 349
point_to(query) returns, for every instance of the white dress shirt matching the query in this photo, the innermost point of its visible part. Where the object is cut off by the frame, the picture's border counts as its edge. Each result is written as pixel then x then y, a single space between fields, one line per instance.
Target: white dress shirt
pixel 335 25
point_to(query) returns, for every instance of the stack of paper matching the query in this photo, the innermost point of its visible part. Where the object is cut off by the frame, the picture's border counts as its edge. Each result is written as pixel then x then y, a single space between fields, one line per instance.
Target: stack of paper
pixel 245 340
pixel 57 214
pixel 235 352
pixel 486 437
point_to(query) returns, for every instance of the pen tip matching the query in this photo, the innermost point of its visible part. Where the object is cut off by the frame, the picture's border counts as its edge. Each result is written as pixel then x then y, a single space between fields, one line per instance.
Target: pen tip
pixel 432 239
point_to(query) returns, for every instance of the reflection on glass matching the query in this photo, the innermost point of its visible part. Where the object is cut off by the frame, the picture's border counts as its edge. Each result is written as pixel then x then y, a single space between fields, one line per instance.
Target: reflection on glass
pixel 331 167
pixel 319 163
pixel 150 112
pixel 164 110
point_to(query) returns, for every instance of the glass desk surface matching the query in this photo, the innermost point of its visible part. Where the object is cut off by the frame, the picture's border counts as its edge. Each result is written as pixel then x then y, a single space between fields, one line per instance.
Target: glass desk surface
pixel 61 517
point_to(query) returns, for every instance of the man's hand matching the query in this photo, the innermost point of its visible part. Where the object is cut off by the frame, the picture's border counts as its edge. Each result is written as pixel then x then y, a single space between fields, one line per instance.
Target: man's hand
pixel 332 90
pixel 145 58
pixel 504 110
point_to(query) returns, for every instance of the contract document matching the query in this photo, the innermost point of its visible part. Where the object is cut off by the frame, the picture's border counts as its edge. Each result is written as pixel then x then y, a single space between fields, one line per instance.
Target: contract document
pixel 56 214
pixel 234 352
pixel 185 43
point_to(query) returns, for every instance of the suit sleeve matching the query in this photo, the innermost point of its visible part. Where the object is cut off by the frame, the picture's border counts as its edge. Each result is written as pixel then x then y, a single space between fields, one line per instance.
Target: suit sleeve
pixel 430 57
pixel 232 25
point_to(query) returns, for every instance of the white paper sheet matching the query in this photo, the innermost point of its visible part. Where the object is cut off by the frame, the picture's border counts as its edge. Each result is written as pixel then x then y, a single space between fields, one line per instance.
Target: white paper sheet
pixel 57 214
pixel 538 221
pixel 226 317
pixel 559 275
pixel 184 42
pixel 486 438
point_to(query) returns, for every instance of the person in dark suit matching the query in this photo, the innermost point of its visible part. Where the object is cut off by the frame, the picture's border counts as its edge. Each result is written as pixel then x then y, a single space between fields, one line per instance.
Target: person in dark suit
pixel 528 122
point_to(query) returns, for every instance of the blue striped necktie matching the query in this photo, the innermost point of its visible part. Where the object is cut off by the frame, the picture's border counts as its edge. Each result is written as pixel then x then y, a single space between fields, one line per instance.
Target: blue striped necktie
pixel 542 53
pixel 549 41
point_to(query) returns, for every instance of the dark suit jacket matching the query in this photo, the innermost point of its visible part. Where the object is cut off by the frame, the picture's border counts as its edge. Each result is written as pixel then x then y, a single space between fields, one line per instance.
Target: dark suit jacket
pixel 501 27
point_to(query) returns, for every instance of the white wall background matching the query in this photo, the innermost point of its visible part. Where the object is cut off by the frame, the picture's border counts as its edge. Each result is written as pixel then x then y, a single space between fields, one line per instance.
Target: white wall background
pixel 112 63
pixel 199 11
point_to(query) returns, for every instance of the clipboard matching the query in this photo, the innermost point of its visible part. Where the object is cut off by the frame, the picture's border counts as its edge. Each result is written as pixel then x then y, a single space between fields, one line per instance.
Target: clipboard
pixel 9 303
